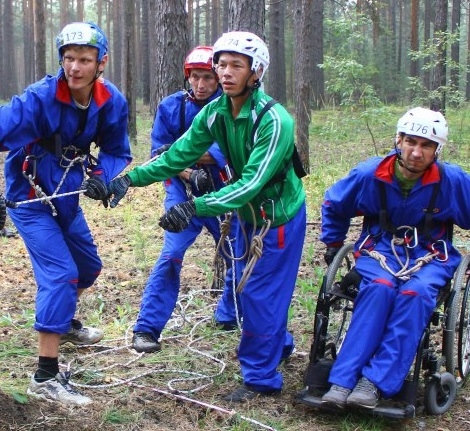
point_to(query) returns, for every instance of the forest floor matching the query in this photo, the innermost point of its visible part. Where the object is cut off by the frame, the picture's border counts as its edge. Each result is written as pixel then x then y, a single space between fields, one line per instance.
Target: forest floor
pixel 181 387
pixel 135 392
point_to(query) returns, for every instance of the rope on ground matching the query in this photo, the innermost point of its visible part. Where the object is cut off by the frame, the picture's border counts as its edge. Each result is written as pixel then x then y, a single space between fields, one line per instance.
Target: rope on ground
pixel 101 376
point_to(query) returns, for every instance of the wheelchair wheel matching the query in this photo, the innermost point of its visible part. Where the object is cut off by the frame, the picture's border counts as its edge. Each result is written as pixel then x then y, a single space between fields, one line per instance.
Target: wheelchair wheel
pixel 453 349
pixel 439 395
pixel 464 334
pixel 340 307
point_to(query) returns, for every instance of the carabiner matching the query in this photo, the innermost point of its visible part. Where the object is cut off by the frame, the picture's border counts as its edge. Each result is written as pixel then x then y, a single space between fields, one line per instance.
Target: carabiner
pixel 409 240
pixel 446 254
pixel 263 212
pixel 26 166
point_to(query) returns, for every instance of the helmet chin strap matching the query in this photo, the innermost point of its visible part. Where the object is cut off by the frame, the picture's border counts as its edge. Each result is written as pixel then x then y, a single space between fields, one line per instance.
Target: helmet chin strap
pixel 247 88
pixel 402 163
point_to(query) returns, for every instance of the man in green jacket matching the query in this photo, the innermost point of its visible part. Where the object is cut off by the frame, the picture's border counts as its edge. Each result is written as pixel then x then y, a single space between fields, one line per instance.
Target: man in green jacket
pixel 264 189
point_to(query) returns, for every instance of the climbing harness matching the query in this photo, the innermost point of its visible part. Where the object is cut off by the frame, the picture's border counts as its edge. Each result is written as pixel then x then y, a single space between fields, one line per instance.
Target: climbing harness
pixel 407 242
pixel 70 157
pixel 407 237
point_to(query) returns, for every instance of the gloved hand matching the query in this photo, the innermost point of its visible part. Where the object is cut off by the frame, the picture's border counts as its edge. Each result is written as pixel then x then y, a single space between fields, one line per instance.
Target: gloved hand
pixel 330 254
pixel 200 179
pixel 95 188
pixel 118 188
pixel 162 149
pixel 177 218
pixel 3 212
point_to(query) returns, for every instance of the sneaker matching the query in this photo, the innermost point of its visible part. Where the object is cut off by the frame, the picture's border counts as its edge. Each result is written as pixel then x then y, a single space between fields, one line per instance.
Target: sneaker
pixel 144 342
pixel 337 395
pixel 57 389
pixel 227 326
pixel 81 335
pixel 244 393
pixel 365 394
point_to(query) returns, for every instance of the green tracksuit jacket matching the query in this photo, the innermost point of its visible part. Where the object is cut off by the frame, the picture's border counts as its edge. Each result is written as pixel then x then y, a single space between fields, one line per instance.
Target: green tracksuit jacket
pixel 255 163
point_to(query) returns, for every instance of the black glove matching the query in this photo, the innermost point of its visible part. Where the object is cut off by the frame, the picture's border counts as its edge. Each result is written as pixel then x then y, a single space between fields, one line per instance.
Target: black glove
pixel 162 149
pixel 3 212
pixel 95 188
pixel 201 181
pixel 177 218
pixel 118 188
pixel 330 254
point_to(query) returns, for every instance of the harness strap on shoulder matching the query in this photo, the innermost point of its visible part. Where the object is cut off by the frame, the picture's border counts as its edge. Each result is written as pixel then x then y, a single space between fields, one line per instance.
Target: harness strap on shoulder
pixel 426 226
pixel 183 115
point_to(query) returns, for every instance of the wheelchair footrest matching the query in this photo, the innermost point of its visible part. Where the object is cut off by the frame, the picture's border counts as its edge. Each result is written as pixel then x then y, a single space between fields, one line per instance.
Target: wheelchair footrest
pixel 407 411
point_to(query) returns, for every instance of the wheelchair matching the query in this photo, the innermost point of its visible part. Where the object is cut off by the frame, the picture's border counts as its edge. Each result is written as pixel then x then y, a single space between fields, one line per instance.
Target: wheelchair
pixel 442 362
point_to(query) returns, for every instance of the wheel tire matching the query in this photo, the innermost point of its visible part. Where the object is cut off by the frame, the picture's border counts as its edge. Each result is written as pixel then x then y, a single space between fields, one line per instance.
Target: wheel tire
pixel 3 212
pixel 340 309
pixel 451 337
pixel 464 336
pixel 439 396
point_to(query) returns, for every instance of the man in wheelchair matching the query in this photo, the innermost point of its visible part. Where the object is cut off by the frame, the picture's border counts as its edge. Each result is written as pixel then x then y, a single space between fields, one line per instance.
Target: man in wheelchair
pixel 409 202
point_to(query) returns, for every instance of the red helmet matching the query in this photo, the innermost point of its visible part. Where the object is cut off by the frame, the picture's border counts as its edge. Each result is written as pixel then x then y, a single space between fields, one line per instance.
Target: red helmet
pixel 199 58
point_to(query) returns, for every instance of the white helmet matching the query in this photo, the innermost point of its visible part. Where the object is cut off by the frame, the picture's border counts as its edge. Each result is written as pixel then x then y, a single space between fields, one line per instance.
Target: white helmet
pixel 425 123
pixel 82 33
pixel 243 42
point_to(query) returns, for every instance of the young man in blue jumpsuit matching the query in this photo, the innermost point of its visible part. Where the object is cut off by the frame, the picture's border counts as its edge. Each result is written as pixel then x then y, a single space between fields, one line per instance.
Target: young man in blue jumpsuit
pixel 393 308
pixel 174 115
pixel 48 131
pixel 266 192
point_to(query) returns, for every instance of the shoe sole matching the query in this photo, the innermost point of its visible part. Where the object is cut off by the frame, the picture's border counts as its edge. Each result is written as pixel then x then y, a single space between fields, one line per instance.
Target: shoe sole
pixel 147 350
pixel 30 393
pixel 80 343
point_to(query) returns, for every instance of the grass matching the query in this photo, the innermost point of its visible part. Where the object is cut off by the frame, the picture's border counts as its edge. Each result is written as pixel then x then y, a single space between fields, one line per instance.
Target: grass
pixel 130 241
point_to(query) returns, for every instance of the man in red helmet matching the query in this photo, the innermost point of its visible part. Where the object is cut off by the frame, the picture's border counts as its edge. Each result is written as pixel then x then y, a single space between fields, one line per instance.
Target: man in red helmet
pixel 174 116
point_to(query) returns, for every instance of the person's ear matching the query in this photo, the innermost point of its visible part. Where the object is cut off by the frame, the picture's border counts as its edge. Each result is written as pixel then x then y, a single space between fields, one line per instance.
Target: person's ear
pixel 398 141
pixel 102 64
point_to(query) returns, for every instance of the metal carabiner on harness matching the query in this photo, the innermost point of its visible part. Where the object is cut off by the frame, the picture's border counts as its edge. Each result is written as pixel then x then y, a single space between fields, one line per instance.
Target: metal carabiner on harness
pixel 444 246
pixel 26 166
pixel 411 241
pixel 263 212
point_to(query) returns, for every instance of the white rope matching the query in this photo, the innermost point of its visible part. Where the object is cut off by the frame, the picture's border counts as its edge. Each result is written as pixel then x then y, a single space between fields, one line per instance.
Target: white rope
pixel 114 374
pixel 405 272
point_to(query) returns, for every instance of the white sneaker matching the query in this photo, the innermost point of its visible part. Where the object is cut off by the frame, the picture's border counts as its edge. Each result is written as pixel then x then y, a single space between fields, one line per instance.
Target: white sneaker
pixel 81 335
pixel 57 389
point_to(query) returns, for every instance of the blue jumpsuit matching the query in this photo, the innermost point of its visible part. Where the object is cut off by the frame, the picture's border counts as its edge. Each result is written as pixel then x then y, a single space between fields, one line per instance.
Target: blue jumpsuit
pixel 390 314
pixel 63 255
pixel 162 288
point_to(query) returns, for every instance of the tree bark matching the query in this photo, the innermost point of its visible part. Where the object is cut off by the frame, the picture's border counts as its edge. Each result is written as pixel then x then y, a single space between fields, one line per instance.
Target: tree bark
pixel 276 76
pixel 302 65
pixel 247 15
pixel 39 39
pixel 438 80
pixel 171 46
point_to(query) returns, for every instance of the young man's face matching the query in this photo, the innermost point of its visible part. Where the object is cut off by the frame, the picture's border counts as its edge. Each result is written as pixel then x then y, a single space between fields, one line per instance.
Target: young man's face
pixel 417 154
pixel 203 83
pixel 80 65
pixel 235 73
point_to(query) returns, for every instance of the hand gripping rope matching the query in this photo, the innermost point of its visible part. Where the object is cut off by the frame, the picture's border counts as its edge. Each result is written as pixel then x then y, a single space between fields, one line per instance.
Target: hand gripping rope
pixel 29 164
